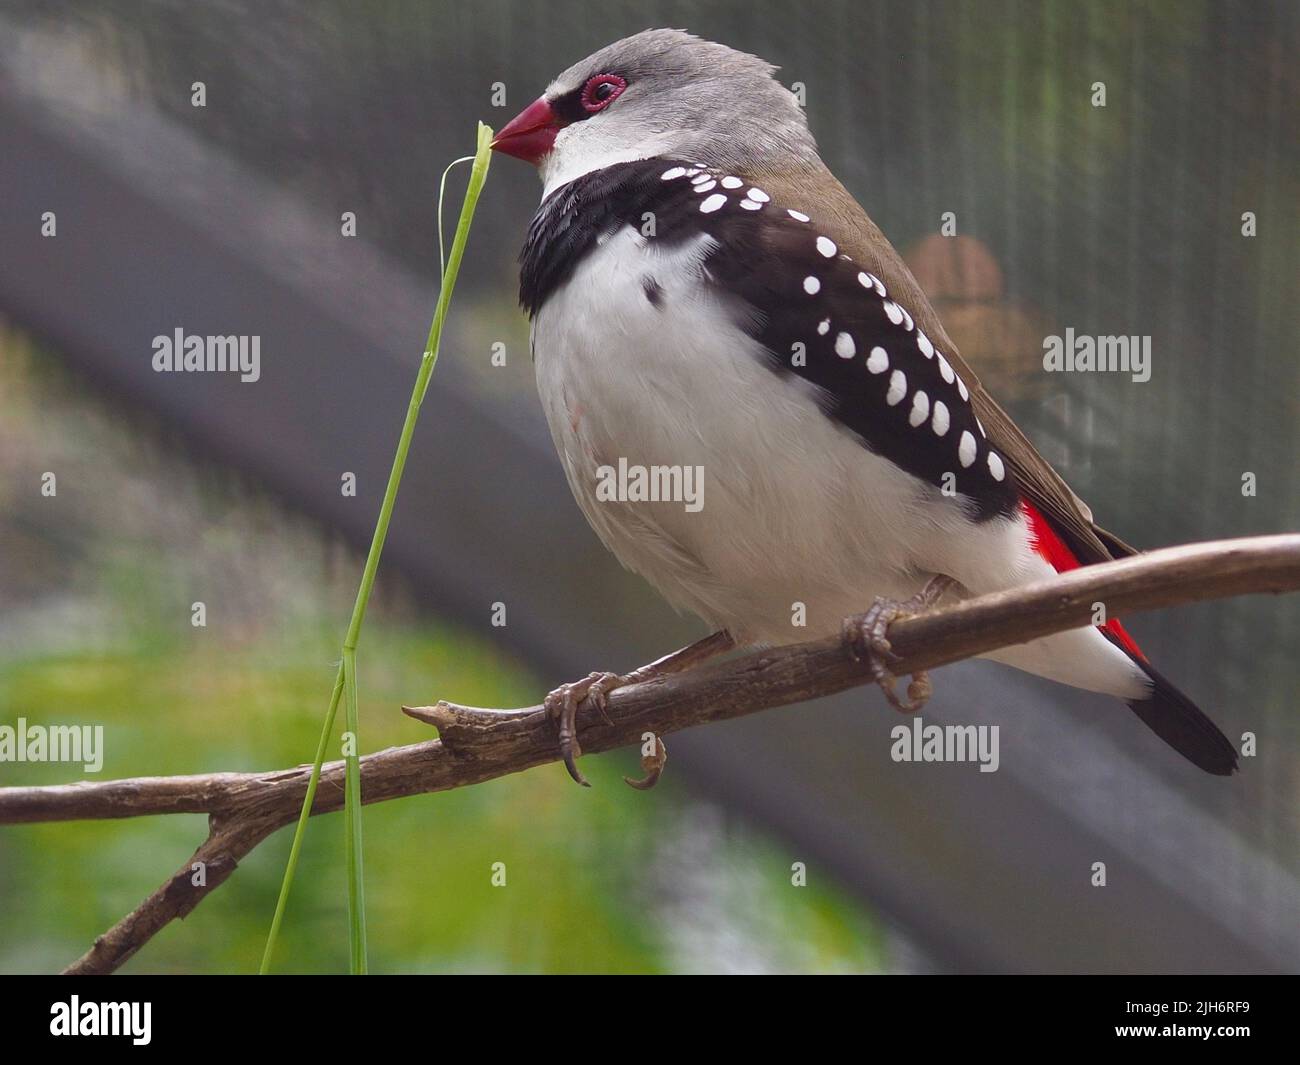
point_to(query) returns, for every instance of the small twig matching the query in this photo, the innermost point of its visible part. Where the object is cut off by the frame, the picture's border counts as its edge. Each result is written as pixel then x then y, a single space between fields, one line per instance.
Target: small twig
pixel 477 744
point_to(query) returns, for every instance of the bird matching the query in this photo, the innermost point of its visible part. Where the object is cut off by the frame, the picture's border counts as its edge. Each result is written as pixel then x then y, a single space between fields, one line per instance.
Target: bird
pixel 705 295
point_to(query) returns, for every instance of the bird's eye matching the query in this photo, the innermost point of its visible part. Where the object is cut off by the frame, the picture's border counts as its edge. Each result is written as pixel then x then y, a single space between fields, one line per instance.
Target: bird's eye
pixel 601 91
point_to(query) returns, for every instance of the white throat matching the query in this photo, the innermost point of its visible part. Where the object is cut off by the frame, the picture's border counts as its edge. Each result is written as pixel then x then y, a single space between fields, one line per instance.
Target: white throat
pixel 579 150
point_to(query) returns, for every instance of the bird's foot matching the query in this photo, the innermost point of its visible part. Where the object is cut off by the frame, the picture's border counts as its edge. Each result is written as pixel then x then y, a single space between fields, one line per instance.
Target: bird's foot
pixel 867 636
pixel 562 705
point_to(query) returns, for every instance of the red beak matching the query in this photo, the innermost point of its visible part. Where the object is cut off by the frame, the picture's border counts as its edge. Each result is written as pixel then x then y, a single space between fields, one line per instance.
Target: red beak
pixel 530 135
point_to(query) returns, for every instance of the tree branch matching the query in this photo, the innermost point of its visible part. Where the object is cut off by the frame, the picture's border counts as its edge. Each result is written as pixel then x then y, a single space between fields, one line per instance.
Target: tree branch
pixel 478 744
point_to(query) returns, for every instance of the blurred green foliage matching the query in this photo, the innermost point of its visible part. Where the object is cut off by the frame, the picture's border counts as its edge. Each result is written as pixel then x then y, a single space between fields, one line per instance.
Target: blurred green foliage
pixel 98 632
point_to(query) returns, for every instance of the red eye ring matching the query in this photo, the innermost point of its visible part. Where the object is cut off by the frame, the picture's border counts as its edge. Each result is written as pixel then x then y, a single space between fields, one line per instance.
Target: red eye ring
pixel 601 91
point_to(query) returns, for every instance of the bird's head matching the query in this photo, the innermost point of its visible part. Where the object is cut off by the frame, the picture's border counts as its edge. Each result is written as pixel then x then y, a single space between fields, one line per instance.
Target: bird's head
pixel 659 93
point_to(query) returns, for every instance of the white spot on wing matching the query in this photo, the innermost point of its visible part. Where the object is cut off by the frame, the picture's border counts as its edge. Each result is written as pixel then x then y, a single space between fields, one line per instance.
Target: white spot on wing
pixel 798 216
pixel 920 409
pixel 878 360
pixel 823 327
pixel 750 205
pixel 811 285
pixel 673 173
pixel 826 246
pixel 713 203
pixel 710 184
pixel 897 388
pixel 945 371
pixel 731 182
pixel 923 342
pixel 759 195
pixel 940 418
pixel 894 311
pixel 995 466
pixel 844 346
pixel 966 448
pixel 961 387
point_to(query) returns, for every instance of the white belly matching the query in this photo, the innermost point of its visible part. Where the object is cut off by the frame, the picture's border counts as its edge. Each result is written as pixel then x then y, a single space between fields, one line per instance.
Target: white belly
pixel 799 522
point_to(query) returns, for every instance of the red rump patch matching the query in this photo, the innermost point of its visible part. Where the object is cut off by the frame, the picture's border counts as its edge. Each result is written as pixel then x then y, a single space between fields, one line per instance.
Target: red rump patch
pixel 1048 545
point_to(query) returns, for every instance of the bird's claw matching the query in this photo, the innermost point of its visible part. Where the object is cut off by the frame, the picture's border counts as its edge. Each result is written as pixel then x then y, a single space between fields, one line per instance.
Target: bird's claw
pixel 867 636
pixel 562 705
pixel 652 765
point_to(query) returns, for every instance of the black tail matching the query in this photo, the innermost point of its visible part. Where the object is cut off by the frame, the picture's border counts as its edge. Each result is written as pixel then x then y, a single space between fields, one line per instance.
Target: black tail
pixel 1176 719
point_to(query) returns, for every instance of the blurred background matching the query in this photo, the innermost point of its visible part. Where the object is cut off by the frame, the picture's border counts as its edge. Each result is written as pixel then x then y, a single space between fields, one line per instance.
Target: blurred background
pixel 227 218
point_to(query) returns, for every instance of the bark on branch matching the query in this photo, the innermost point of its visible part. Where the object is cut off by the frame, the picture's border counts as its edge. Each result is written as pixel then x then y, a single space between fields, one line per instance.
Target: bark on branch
pixel 479 744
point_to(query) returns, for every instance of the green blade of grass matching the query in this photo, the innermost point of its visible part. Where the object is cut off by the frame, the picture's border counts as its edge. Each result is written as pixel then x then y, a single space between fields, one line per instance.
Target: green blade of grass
pixel 346 677
pixel 352 820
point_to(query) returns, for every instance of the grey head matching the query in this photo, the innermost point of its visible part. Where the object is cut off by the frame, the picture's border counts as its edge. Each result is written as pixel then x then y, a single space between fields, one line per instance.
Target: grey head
pixel 668 93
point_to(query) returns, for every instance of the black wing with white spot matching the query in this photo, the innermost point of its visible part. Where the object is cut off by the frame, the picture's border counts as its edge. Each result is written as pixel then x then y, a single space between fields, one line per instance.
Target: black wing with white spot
pixel 818 315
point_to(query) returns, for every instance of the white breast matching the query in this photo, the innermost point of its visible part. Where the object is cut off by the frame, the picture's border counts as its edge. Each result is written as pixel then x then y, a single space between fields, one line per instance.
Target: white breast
pixel 791 503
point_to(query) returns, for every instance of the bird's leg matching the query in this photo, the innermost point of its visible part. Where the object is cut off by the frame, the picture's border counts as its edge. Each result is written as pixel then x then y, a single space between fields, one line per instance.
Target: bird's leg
pixel 562 704
pixel 868 635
